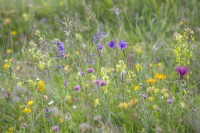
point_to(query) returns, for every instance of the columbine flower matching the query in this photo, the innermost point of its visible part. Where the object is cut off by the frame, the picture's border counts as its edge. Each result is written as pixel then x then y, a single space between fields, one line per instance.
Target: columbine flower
pixel 55 128
pixel 77 88
pixel 122 44
pixel 90 70
pixel 182 70
pixel 111 44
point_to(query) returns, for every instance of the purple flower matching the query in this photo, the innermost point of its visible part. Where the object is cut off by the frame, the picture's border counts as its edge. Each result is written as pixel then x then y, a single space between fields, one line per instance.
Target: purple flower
pixel 77 87
pixel 111 44
pixel 60 52
pixel 100 47
pixel 90 70
pixel 169 101
pixel 55 128
pixel 122 44
pixel 182 70
pixel 8 95
pixel 102 83
pixel 96 82
pixel 47 112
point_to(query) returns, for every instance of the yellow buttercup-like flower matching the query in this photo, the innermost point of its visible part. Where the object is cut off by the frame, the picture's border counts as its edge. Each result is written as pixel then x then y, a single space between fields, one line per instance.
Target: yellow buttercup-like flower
pixel 6 66
pixel 41 86
pixel 27 110
pixel 30 103
pixel 160 76
pixel 150 80
pixel 136 88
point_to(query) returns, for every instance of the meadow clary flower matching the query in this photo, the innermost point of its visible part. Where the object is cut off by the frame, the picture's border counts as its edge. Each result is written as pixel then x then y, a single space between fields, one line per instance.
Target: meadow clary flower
pixel 100 47
pixel 122 44
pixel 47 112
pixel 111 44
pixel 60 52
pixel 182 70
pixel 55 128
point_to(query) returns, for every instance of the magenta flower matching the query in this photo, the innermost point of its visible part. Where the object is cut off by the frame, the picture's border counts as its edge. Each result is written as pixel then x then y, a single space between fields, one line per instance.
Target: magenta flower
pixel 55 128
pixel 90 70
pixel 169 101
pixel 77 88
pixel 102 83
pixel 182 70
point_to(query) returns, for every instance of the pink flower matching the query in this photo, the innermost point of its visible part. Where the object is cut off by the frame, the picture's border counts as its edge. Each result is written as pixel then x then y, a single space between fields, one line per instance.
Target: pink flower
pixel 182 70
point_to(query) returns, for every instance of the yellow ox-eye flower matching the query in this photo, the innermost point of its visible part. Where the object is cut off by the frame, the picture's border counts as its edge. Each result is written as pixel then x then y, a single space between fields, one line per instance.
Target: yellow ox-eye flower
pixel 41 86
pixel 133 102
pixel 27 110
pixel 150 80
pixel 160 76
pixel 30 103
pixel 6 66
pixel 123 105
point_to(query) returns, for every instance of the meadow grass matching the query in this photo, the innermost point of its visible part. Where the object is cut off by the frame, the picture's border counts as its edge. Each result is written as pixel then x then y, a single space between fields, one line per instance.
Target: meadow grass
pixel 99 66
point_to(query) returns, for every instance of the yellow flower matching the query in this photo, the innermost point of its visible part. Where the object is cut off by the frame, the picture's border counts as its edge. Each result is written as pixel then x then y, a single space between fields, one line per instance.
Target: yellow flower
pixel 61 120
pixel 41 86
pixel 67 68
pixel 137 67
pixel 77 52
pixel 27 110
pixel 156 91
pixel 9 51
pixel 155 107
pixel 6 21
pixel 159 64
pixel 136 88
pixel 166 94
pixel 182 104
pixel 150 99
pixel 69 99
pixel 123 105
pixel 6 66
pixel 150 80
pixel 160 76
pixel 67 55
pixel 30 103
pixel 139 50
pixel 13 33
pixel 133 102
pixel 96 102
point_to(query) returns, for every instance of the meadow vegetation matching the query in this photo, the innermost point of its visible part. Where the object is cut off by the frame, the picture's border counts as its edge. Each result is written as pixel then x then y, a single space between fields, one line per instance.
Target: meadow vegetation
pixel 99 66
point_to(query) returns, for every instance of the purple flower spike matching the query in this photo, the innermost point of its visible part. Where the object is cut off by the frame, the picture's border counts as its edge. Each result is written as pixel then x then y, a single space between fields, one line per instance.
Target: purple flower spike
pixel 90 70
pixel 169 101
pixel 77 88
pixel 182 70
pixel 122 44
pixel 111 44
pixel 47 112
pixel 55 128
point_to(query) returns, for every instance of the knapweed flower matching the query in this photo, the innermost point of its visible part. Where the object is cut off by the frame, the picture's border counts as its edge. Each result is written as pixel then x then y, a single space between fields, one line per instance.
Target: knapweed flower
pixel 27 110
pixel 169 101
pixel 41 86
pixel 150 80
pixel 77 87
pixel 90 70
pixel 102 83
pixel 182 70
pixel 30 103
pixel 122 44
pixel 55 128
pixel 160 76
pixel 111 44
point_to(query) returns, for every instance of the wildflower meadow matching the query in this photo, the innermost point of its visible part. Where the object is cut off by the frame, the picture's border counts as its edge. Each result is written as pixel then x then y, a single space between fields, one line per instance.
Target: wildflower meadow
pixel 99 66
